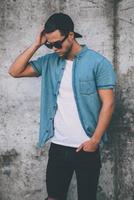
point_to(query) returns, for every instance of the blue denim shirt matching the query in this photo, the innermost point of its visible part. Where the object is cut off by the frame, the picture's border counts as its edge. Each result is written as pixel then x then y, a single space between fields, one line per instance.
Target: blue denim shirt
pixel 91 71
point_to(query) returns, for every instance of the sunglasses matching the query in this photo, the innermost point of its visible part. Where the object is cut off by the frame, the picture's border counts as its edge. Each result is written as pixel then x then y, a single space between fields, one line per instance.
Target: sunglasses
pixel 57 44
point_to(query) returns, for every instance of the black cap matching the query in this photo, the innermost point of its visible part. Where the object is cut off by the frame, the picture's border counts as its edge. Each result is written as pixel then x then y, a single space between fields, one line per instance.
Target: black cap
pixel 60 21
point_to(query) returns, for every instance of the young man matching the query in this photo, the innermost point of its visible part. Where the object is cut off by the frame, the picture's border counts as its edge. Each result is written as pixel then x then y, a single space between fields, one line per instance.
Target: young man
pixel 77 102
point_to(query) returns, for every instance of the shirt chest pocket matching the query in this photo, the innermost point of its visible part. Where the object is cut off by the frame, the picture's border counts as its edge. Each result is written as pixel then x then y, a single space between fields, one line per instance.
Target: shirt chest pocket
pixel 87 86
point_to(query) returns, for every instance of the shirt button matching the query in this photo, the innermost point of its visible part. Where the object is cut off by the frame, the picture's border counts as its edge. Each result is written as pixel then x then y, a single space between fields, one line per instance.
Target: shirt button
pixel 47 131
pixel 58 82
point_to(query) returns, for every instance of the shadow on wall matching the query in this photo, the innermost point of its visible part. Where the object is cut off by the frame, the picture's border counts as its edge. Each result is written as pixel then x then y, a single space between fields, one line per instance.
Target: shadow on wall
pixel 6 159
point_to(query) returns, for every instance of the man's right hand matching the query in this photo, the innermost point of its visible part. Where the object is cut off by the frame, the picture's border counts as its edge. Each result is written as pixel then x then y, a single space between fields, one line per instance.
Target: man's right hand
pixel 40 38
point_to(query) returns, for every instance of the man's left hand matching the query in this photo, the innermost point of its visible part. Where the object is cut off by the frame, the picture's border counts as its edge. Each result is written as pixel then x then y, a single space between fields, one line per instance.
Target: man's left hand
pixel 90 145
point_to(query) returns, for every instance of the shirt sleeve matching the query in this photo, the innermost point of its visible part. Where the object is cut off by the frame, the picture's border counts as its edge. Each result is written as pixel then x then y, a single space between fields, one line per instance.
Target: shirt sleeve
pixel 105 75
pixel 38 64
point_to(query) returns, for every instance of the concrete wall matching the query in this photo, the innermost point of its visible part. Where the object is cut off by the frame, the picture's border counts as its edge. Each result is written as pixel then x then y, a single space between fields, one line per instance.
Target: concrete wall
pixel 107 27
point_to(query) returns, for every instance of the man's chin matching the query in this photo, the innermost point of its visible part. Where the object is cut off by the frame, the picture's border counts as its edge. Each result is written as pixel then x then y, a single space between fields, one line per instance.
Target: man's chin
pixel 61 55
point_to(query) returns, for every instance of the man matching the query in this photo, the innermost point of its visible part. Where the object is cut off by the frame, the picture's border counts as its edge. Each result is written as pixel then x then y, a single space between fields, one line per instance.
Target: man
pixel 77 102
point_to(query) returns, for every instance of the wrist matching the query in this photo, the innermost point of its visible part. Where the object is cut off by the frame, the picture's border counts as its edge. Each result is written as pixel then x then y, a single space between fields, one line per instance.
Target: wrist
pixel 36 46
pixel 95 140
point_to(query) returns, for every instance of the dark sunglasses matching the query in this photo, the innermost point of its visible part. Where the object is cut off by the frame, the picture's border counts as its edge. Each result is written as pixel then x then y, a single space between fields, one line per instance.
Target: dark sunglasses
pixel 57 44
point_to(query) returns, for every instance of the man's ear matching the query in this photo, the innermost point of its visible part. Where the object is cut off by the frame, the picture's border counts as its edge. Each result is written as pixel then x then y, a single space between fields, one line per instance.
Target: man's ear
pixel 71 35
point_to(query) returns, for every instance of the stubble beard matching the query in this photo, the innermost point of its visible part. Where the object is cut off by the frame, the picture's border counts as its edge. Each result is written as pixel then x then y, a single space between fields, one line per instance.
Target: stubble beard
pixel 65 56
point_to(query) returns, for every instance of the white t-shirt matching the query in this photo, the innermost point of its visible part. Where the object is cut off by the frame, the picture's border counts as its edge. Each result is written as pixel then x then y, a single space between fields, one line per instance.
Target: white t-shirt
pixel 68 129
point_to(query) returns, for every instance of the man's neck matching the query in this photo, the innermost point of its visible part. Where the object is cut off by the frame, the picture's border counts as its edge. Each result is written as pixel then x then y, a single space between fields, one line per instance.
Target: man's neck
pixel 76 47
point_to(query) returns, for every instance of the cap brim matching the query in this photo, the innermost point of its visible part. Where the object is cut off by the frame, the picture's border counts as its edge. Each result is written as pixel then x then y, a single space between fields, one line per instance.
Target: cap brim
pixel 77 35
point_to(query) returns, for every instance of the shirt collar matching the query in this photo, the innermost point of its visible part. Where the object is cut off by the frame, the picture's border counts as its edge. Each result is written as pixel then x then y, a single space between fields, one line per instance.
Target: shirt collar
pixel 83 50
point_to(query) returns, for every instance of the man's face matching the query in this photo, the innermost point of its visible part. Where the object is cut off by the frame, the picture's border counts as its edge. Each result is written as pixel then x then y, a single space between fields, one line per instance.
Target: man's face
pixel 66 45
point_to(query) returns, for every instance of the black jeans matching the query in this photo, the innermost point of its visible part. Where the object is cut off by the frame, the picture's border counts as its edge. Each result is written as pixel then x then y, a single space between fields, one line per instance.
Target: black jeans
pixel 62 162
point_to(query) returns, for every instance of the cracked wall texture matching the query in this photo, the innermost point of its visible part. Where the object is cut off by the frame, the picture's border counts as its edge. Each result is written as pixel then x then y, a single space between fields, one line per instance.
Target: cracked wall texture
pixel 107 27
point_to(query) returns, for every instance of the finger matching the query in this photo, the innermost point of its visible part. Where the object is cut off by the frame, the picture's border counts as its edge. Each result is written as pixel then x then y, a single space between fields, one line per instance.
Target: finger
pixel 89 148
pixel 86 147
pixel 79 148
pixel 42 21
pixel 40 30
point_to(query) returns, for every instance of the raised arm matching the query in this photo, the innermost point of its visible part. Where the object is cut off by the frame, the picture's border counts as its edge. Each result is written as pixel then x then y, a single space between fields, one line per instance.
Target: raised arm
pixel 21 67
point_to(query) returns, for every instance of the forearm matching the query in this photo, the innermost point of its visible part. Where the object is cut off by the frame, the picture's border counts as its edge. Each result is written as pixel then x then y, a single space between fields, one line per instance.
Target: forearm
pixel 103 121
pixel 21 61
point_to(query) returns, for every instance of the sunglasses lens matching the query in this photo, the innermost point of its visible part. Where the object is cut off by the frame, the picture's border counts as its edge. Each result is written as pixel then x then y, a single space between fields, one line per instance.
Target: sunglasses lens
pixel 58 45
pixel 49 45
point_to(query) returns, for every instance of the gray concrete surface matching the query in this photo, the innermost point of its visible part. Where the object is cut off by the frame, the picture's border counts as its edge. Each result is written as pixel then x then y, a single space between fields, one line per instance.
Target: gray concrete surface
pixel 107 27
